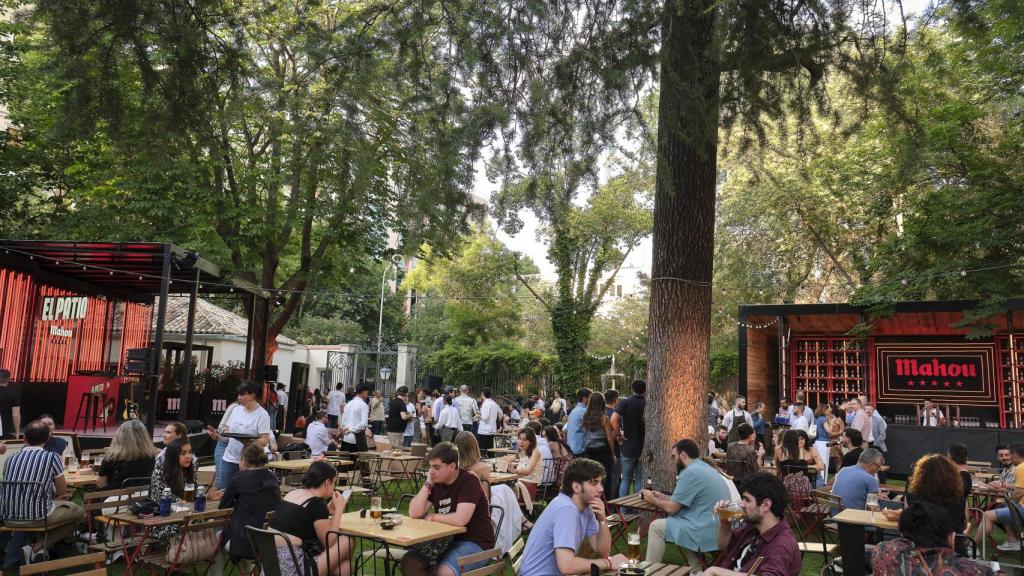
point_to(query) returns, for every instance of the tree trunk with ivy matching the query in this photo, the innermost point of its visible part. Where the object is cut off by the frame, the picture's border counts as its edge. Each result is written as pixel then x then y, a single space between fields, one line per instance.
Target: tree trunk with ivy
pixel 684 220
pixel 571 330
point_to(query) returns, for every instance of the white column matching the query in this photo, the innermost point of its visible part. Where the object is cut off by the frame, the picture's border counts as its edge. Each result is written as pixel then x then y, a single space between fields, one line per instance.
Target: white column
pixel 406 371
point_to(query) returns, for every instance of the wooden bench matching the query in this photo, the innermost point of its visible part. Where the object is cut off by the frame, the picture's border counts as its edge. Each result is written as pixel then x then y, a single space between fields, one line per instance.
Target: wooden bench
pixel 97 560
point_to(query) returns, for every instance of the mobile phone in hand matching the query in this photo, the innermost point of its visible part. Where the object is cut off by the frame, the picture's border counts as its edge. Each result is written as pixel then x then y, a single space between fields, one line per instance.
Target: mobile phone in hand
pixel 347 494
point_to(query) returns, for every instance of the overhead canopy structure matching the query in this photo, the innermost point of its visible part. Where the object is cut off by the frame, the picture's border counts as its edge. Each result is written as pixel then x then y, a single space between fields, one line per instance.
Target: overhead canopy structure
pixel 125 270
pixel 135 272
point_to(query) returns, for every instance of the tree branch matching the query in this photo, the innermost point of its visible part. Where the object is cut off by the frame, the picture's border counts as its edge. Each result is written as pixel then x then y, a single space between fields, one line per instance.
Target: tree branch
pixel 515 268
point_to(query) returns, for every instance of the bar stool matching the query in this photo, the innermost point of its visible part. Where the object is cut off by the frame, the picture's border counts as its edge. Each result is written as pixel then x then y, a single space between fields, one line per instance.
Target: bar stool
pixel 93 404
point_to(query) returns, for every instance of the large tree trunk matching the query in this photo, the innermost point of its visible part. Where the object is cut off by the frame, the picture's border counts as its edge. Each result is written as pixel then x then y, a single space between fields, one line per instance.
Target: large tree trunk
pixel 684 223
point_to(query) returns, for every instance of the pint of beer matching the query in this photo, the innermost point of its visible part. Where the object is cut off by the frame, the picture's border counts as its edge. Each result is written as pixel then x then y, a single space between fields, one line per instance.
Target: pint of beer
pixel 633 541
pixel 190 493
pixel 375 507
pixel 733 511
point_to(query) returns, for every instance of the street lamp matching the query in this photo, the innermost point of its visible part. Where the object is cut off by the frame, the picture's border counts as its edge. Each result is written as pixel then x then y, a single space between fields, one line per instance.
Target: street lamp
pixel 385 373
pixel 395 260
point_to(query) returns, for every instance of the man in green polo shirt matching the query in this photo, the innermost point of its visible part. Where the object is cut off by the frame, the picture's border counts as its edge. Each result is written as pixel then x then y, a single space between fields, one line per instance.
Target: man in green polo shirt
pixel 690 520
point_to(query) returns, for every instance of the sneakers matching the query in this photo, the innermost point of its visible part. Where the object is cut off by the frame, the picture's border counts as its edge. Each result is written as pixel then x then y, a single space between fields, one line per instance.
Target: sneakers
pixel 1009 546
pixel 117 555
pixel 29 556
pixel 90 537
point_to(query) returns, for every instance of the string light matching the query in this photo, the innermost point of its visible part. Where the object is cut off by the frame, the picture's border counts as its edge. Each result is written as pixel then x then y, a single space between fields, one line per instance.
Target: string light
pixel 423 296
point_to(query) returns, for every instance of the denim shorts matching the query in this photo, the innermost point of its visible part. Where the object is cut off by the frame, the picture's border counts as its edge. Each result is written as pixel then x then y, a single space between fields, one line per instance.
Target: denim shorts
pixel 458 549
pixel 1003 514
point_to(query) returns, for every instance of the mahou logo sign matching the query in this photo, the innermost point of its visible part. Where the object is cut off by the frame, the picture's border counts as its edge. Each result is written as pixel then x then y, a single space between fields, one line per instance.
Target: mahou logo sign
pixel 958 372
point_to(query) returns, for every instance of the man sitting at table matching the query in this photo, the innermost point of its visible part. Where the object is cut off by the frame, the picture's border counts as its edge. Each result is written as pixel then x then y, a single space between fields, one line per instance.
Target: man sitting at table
pixel 741 457
pixel 764 535
pixel 577 513
pixel 854 483
pixel 1002 515
pixel 319 437
pixel 718 443
pixel 690 522
pixel 853 445
pixel 25 507
pixel 1007 476
pixel 458 500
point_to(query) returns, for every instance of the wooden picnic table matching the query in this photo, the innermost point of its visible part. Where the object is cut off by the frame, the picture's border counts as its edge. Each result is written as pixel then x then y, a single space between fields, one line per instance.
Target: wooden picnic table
pixel 852 524
pixel 206 474
pixel 634 501
pixel 180 511
pixel 503 478
pixel 409 533
pixel 81 479
pixel 657 569
pixel 303 464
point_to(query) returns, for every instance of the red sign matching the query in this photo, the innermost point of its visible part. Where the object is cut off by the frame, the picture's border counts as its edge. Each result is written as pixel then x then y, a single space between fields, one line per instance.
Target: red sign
pixel 957 372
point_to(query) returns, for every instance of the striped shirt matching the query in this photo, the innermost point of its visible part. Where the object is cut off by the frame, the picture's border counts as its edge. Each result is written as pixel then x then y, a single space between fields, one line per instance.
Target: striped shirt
pixel 31 464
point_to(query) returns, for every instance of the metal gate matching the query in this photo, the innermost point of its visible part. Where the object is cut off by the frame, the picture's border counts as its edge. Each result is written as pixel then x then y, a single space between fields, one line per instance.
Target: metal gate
pixel 364 365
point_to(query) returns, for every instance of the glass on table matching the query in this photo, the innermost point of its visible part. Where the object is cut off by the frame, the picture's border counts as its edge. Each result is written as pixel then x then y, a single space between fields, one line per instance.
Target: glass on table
pixel 633 543
pixel 72 465
pixel 190 493
pixel 375 507
pixel 871 503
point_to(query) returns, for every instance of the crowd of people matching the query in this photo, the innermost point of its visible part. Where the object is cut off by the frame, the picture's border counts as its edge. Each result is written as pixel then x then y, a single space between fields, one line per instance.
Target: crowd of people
pixel 590 448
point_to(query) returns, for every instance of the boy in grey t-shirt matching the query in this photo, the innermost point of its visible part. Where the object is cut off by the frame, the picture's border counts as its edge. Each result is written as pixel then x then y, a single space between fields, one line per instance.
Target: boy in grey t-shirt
pixel 577 513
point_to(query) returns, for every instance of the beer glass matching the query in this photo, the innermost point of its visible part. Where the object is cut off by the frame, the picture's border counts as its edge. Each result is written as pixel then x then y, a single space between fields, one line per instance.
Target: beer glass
pixel 375 507
pixel 190 493
pixel 731 511
pixel 871 503
pixel 72 465
pixel 633 552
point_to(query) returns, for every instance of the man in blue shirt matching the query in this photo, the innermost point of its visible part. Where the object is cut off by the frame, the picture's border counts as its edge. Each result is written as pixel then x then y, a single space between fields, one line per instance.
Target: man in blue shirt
pixel 577 513
pixel 573 428
pixel 690 520
pixel 854 483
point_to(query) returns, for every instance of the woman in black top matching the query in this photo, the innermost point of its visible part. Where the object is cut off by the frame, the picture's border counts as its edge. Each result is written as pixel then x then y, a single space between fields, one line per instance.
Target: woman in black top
pixel 251 494
pixel 305 516
pixel 130 457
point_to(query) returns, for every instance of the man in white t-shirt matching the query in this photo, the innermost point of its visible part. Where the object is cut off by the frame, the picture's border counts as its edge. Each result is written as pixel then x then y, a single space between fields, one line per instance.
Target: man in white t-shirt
pixel 335 405
pixel 799 421
pixel 248 418
pixel 356 420
pixel 282 407
pixel 319 437
pixel 488 427
pixel 932 416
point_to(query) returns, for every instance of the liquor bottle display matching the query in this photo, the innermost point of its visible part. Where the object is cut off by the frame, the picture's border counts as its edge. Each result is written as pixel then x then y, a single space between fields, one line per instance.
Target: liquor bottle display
pixel 827 369
pixel 1011 372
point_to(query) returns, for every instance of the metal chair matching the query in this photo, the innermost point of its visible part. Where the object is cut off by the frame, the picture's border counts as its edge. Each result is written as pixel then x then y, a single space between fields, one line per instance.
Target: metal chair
pixel 264 545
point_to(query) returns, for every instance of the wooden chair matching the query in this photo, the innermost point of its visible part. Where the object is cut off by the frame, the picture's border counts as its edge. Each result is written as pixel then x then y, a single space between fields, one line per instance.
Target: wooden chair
pixel 95 502
pixel 36 491
pixel 493 555
pixel 822 503
pixel 195 524
pixel 514 556
pixel 96 560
